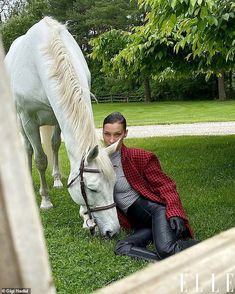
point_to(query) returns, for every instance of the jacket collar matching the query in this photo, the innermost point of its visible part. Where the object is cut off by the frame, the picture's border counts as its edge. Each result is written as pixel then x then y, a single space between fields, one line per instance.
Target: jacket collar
pixel 124 151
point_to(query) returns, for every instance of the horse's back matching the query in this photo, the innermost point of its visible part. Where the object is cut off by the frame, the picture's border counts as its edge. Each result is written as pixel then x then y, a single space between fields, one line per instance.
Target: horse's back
pixel 15 46
pixel 21 63
pixel 25 53
pixel 28 66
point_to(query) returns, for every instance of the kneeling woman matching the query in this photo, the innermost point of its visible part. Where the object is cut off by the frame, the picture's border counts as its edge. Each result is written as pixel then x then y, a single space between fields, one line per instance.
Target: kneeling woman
pixel 146 198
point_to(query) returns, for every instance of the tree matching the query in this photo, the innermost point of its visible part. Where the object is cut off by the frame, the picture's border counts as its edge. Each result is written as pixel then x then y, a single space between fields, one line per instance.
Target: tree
pixel 59 9
pixel 89 19
pixel 21 20
pixel 10 7
pixel 140 57
pixel 3 8
pixel 185 35
pixel 112 38
pixel 206 27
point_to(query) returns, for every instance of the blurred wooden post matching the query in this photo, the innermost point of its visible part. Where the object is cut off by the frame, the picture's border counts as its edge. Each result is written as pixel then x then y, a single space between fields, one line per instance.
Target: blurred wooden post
pixel 208 267
pixel 23 254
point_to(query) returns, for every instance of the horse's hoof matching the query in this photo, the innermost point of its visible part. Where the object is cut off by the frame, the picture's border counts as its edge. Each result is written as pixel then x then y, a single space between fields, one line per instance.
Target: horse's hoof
pixel 58 184
pixel 46 205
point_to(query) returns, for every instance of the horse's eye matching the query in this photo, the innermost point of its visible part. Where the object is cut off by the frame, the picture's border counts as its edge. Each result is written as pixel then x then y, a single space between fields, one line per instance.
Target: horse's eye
pixel 93 190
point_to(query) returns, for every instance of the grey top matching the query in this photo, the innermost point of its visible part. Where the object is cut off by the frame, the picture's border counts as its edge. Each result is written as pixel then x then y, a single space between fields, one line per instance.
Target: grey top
pixel 124 194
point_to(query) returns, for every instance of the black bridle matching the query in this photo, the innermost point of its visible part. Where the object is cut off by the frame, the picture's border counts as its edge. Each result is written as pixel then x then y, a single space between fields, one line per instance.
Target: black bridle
pixel 91 224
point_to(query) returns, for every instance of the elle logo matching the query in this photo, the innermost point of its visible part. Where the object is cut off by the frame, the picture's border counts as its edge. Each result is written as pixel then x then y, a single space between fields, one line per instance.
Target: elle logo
pixel 227 287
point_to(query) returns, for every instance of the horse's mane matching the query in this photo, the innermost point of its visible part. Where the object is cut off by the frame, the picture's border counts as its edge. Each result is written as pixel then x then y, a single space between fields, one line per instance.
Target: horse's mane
pixel 72 96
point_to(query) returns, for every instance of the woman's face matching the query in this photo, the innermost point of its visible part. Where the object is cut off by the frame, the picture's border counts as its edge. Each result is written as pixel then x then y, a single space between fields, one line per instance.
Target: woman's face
pixel 113 132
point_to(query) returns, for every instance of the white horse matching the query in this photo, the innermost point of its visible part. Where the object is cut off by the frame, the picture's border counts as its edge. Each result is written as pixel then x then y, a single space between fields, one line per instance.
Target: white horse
pixel 50 83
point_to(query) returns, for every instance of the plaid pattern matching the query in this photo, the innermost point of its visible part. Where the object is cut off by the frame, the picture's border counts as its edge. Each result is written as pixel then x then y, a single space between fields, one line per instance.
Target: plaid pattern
pixel 143 172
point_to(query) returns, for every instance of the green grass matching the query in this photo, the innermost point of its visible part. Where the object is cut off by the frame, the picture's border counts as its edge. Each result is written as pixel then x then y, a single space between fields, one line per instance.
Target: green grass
pixel 204 169
pixel 167 112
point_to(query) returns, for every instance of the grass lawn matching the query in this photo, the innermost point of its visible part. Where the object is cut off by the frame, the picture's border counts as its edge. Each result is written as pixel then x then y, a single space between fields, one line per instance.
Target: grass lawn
pixel 167 112
pixel 204 169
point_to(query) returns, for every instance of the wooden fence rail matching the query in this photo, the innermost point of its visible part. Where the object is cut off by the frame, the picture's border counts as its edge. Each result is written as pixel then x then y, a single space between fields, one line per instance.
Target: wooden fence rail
pixel 119 98
pixel 208 267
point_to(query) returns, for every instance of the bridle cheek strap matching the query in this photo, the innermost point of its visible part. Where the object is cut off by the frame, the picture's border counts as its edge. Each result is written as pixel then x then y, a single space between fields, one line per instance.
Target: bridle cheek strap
pixel 105 207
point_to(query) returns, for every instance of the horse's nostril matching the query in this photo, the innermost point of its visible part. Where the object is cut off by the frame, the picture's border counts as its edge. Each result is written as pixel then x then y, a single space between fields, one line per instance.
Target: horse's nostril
pixel 109 234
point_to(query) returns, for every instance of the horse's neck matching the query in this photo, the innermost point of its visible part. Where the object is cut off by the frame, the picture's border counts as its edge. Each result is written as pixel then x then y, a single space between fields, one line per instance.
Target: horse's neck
pixel 65 77
pixel 72 143
pixel 72 147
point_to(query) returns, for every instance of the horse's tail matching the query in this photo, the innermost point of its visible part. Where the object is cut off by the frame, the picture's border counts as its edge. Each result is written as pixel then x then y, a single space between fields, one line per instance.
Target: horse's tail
pixel 46 134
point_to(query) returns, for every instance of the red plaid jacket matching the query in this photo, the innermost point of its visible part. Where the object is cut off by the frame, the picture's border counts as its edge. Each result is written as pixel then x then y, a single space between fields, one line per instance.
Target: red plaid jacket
pixel 143 172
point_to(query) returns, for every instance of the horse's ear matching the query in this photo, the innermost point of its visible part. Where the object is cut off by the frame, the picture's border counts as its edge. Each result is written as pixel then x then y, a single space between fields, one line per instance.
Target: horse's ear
pixel 92 154
pixel 114 147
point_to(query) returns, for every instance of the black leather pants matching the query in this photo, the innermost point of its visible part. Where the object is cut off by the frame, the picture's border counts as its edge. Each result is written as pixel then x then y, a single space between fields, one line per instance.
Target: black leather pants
pixel 150 223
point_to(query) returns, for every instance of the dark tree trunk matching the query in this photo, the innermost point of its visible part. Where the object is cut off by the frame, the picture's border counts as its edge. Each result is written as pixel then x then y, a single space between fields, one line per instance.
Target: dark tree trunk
pixel 147 90
pixel 221 88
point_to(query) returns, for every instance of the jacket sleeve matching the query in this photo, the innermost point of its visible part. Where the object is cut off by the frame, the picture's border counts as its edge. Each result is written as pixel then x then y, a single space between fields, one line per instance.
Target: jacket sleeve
pixel 164 187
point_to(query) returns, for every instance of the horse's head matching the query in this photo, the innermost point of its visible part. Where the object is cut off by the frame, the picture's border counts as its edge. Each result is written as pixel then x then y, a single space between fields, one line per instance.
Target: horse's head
pixel 94 190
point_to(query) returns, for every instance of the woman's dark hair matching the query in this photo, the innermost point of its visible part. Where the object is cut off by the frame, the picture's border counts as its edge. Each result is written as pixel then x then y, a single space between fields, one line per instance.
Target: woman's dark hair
pixel 115 117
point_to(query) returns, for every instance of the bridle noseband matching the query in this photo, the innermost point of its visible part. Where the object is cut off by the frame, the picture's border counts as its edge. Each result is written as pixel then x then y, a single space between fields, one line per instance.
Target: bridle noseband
pixel 90 222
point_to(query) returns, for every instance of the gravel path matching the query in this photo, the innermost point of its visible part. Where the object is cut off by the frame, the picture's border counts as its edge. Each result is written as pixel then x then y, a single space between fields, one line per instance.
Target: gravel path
pixel 194 129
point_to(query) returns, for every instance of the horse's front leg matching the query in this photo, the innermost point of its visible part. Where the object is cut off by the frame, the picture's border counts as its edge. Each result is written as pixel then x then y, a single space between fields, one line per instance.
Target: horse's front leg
pixel 55 143
pixel 32 132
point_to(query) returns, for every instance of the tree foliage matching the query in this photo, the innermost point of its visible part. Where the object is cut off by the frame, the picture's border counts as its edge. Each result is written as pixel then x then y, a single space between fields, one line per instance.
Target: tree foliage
pixel 89 18
pixel 137 43
pixel 9 8
pixel 20 20
pixel 185 35
pixel 197 29
pixel 204 26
